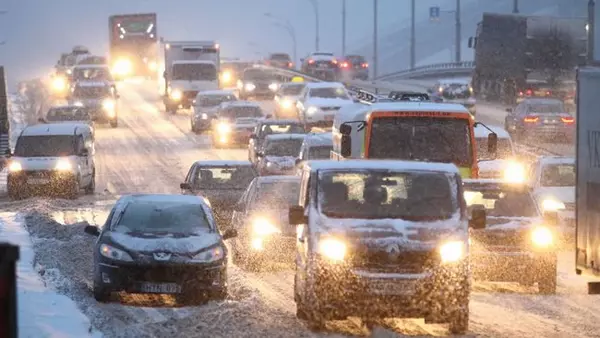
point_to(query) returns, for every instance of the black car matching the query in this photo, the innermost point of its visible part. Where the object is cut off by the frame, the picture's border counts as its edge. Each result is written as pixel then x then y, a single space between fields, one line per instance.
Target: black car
pixel 256 82
pixel 280 60
pixel 101 100
pixel 322 65
pixel 222 183
pixel 160 244
pixel 354 67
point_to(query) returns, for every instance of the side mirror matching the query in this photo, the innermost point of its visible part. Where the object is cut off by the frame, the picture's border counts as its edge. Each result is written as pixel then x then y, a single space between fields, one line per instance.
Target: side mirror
pixel 471 42
pixel 509 110
pixel 92 230
pixel 478 219
pixel 346 146
pixel 345 129
pixel 296 215
pixel 492 143
pixel 229 233
pixel 84 152
pixel 185 186
pixel 551 218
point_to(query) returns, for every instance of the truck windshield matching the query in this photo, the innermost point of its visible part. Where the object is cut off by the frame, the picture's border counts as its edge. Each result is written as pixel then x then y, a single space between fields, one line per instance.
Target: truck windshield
pixel 45 146
pixel 371 194
pixel 194 71
pixel 501 203
pixel 136 28
pixel 558 175
pixel 431 139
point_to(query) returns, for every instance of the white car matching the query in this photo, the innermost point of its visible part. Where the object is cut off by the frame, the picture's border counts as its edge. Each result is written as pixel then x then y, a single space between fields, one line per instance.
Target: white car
pixel 319 102
pixel 316 146
pixel 552 180
pixel 503 165
pixel 278 154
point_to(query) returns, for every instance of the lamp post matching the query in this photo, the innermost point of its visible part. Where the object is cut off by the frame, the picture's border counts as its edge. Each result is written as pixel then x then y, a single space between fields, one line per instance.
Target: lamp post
pixel 287 25
pixel 315 5
pixel 375 25
pixel 344 28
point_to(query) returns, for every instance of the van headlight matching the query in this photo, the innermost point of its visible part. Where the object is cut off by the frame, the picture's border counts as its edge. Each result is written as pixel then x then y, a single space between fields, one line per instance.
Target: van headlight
pixel 542 237
pixel 108 104
pixel 122 67
pixel 59 84
pixel 249 87
pixel 14 167
pixel 333 249
pixel 452 252
pixel 552 205
pixel 223 128
pixel 264 227
pixel 274 86
pixel 176 95
pixel 514 173
pixel 63 165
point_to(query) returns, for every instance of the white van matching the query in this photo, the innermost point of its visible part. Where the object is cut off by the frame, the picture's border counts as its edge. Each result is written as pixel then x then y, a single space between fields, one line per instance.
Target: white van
pixel 56 158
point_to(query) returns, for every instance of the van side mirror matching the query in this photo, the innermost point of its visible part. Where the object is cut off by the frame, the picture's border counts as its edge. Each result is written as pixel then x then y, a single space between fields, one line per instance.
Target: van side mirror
pixel 92 230
pixel 492 143
pixel 345 129
pixel 296 215
pixel 185 186
pixel 478 219
pixel 551 218
pixel 346 146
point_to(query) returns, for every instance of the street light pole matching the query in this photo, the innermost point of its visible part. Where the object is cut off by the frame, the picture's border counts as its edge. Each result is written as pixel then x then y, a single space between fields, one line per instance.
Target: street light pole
pixel 375 24
pixel 413 40
pixel 316 8
pixel 458 35
pixel 343 27
pixel 290 29
pixel 515 6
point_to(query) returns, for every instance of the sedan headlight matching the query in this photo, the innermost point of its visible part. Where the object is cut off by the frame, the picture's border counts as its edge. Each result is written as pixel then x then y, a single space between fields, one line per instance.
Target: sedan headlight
pixel 59 84
pixel 226 76
pixel 108 104
pixel 286 104
pixel 333 249
pixel 176 94
pixel 264 227
pixel 541 237
pixel 312 110
pixel 211 255
pixel 552 205
pixel 15 167
pixel 451 252
pixel 274 86
pixel 514 173
pixel 250 87
pixel 114 253
pixel 63 165
pixel 223 128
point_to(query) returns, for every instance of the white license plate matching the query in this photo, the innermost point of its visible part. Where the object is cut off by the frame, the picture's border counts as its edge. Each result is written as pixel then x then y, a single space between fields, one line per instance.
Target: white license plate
pixel 38 180
pixel 397 288
pixel 160 288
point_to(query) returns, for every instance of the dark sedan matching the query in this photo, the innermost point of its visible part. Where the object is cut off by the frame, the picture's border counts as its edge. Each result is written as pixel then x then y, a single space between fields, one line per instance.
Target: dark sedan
pixel 256 82
pixel 354 67
pixel 160 244
pixel 540 117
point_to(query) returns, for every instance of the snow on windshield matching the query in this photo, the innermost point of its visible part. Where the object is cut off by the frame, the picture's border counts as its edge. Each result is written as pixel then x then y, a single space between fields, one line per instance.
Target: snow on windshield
pixel 500 203
pixel 290 147
pixel 384 194
pixel 504 149
pixel 67 114
pixel 558 175
pixel 329 93
pixel 171 218
pixel 45 146
pixel 319 152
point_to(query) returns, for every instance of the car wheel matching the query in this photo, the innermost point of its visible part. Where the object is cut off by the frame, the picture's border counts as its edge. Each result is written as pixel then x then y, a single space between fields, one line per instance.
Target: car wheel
pixel 220 294
pixel 91 188
pixel 100 294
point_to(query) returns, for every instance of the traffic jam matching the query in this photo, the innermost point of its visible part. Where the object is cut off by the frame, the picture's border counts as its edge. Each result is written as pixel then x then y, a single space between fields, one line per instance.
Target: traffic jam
pixel 377 206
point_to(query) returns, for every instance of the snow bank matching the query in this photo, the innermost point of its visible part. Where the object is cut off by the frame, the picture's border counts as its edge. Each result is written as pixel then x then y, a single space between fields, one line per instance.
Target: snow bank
pixel 41 311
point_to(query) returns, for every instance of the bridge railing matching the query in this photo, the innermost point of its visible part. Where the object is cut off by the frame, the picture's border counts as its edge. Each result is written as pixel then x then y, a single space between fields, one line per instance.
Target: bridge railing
pixel 428 69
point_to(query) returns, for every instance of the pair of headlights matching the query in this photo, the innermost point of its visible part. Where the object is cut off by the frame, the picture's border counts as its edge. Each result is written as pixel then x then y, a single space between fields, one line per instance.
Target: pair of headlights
pixel 61 165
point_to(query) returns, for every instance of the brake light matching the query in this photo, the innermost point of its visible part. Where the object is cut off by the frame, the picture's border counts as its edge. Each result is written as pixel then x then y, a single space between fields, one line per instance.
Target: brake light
pixel 290 64
pixel 344 65
pixel 334 61
pixel 529 92
pixel 311 61
pixel 568 120
pixel 365 65
pixel 548 93
pixel 531 119
pixel 520 93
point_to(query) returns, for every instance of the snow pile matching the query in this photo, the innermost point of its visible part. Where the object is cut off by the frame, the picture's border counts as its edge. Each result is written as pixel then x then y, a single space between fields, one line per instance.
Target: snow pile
pixel 41 311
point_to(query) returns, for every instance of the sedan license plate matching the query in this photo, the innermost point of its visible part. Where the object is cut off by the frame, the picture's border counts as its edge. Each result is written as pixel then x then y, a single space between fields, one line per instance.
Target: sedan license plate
pixel 38 180
pixel 393 288
pixel 160 288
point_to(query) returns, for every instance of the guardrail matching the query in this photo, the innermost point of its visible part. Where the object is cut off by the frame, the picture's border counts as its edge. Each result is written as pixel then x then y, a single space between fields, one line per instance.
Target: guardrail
pixel 430 70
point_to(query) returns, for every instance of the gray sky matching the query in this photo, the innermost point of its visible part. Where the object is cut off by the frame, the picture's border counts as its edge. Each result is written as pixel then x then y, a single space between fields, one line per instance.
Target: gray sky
pixel 37 31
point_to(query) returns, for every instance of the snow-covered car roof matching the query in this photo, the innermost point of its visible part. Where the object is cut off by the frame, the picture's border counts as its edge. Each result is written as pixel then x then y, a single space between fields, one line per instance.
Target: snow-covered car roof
pixel 492 183
pixel 312 85
pixel 391 165
pixel 482 132
pixel 61 128
pixel 223 163
pixel 242 104
pixel 319 139
pixel 189 62
pixel 216 93
pixel 280 137
pixel 557 160
pixel 277 178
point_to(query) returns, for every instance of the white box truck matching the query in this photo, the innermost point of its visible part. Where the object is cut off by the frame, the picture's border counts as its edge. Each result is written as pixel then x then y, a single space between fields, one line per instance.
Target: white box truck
pixel 189 67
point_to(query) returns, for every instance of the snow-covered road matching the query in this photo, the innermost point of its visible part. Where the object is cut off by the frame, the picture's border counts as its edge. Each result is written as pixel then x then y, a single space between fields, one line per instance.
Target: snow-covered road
pixel 151 152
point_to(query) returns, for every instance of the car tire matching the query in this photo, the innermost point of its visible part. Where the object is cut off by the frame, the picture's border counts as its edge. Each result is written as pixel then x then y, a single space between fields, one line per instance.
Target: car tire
pixel 114 123
pixel 547 282
pixel 100 294
pixel 91 188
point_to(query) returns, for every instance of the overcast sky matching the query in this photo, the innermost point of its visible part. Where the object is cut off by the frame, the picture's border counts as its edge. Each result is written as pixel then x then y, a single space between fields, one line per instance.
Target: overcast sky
pixel 37 31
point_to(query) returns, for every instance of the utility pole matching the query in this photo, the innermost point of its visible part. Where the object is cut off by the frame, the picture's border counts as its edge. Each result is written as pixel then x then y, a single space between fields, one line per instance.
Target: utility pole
pixel 413 40
pixel 344 28
pixel 591 55
pixel 458 35
pixel 375 24
pixel 515 6
pixel 316 8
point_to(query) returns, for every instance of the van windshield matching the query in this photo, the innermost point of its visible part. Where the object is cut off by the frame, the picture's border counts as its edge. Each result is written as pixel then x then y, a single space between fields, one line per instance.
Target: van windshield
pixel 45 146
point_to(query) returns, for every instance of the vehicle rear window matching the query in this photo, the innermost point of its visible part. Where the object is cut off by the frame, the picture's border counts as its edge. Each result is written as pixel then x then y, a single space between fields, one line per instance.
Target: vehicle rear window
pixel 67 114
pixel 255 74
pixel 547 108
pixel 286 147
pixel 558 175
pixel 330 93
pixel 95 92
pixel 270 129
pixel 195 71
pixel 213 100
pixel 280 57
pixel 319 152
pixel 224 177
pixel 166 217
pixel 356 59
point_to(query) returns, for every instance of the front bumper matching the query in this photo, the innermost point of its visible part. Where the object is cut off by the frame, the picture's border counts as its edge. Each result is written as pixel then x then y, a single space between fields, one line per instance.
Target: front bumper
pixel 51 182
pixel 510 265
pixel 132 278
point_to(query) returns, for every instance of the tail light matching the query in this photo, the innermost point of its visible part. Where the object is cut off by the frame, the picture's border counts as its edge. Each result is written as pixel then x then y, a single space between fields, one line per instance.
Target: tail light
pixel 529 92
pixel 344 65
pixel 568 120
pixel 334 61
pixel 520 93
pixel 531 119
pixel 548 92
pixel 311 61
pixel 290 64
pixel 365 65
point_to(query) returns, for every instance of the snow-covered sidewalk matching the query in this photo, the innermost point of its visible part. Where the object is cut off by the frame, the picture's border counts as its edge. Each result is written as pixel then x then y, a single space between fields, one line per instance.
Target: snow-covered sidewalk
pixel 42 312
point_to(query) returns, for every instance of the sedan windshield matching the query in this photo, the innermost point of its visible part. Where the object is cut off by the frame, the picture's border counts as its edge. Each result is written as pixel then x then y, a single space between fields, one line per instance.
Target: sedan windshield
pixel 385 194
pixel 330 93
pixel 218 178
pixel 558 175
pixel 213 100
pixel 288 147
pixel 45 146
pixel 170 218
pixel 500 203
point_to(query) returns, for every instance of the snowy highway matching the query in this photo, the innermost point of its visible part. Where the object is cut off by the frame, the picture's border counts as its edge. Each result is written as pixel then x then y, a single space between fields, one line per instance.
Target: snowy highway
pixel 151 152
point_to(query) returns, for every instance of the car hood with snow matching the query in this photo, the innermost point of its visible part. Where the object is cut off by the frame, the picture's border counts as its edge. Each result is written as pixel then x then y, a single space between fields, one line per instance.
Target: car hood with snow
pixel 142 246
pixel 333 104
